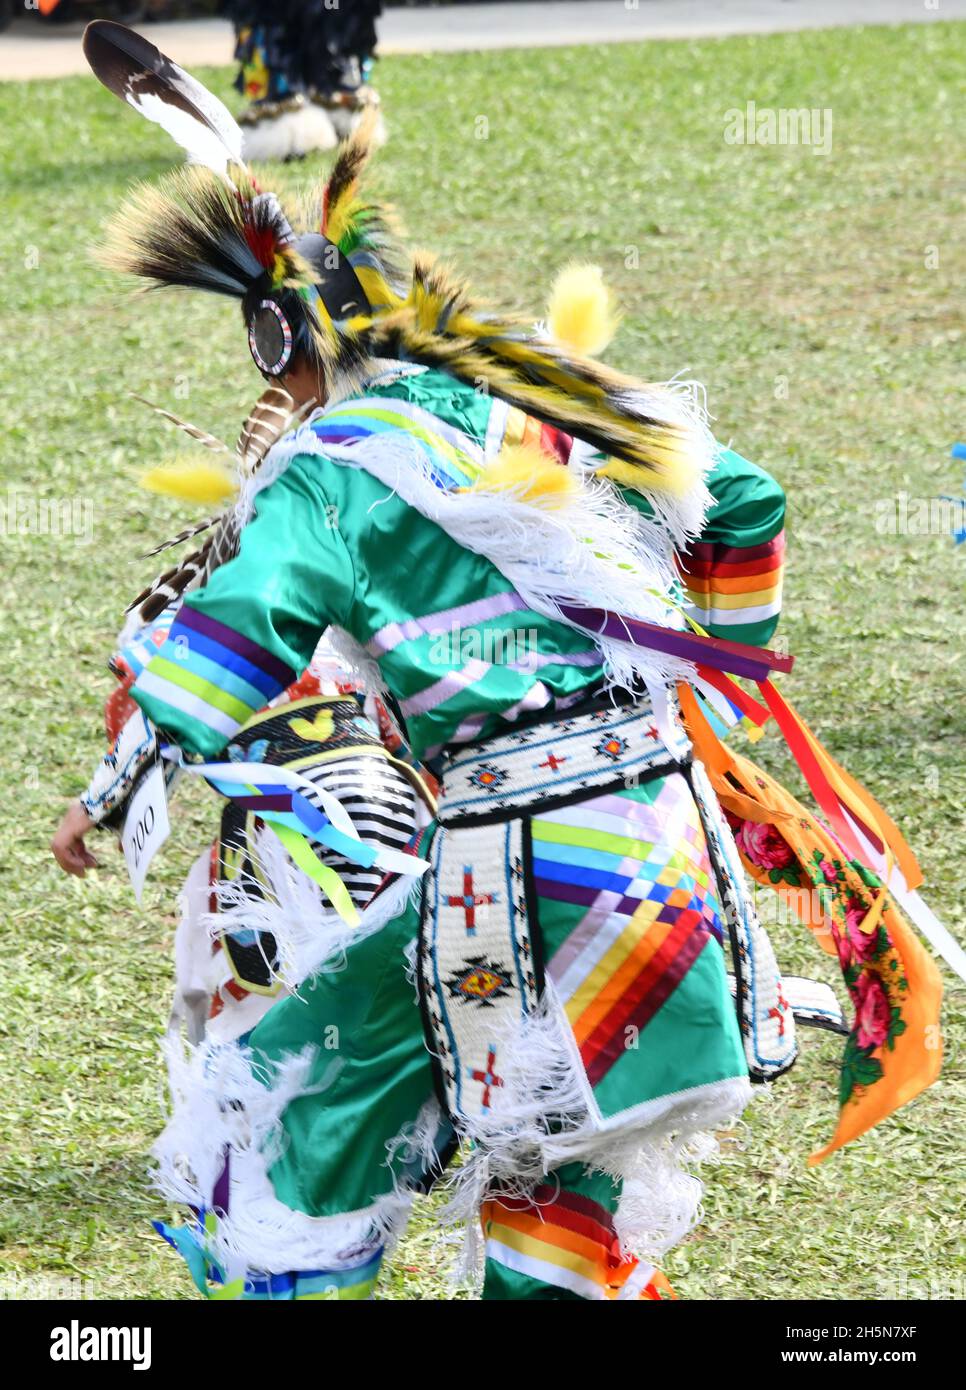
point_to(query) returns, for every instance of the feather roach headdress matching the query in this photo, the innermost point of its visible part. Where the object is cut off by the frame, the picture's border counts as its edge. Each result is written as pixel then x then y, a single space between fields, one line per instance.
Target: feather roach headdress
pixel 209 226
pixel 321 278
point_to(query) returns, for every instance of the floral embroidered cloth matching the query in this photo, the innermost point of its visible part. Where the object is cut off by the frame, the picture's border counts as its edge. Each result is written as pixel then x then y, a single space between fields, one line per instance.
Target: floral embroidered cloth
pixel 894 1048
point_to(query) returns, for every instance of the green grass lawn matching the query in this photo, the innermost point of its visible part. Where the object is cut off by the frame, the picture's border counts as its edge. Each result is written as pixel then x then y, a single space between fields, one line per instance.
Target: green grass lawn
pixel 820 300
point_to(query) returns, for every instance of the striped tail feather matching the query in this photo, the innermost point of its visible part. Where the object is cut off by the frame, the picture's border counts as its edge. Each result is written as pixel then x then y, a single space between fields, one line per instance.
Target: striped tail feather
pixel 171 585
pixel 210 441
pixel 187 534
pixel 272 415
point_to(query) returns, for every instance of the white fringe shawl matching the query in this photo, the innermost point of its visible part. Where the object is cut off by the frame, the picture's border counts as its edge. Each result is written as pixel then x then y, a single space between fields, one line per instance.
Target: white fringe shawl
pixel 593 549
pixel 682 403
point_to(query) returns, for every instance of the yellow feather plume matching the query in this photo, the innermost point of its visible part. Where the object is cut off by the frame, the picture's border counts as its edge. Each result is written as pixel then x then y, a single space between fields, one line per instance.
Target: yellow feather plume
pixel 681 471
pixel 580 312
pixel 530 474
pixel 192 480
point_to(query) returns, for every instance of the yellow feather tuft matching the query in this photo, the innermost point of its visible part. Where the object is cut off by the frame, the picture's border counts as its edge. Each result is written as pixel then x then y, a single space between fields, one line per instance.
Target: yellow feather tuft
pixel 580 311
pixel 530 474
pixel 679 470
pixel 192 480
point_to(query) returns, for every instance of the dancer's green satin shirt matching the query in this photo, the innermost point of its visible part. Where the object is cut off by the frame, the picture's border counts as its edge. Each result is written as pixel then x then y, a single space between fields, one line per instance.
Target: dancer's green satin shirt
pixel 330 544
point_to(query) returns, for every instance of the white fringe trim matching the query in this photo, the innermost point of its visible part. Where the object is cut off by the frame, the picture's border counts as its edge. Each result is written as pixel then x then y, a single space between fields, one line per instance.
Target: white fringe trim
pixel 219 1104
pixel 197 972
pixel 309 937
pixel 356 661
pixel 681 402
pixel 544 1116
pixel 345 122
pixel 290 134
pixel 595 550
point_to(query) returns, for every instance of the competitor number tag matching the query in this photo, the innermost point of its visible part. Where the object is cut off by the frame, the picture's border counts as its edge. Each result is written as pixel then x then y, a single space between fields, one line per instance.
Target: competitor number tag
pixel 146 826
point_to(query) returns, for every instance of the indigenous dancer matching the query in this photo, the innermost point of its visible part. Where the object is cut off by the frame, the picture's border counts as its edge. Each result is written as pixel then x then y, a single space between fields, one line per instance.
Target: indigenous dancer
pixel 510 540
pixel 304 67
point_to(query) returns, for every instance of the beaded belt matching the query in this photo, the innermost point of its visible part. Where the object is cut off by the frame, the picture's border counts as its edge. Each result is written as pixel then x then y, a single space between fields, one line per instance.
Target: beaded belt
pixel 555 762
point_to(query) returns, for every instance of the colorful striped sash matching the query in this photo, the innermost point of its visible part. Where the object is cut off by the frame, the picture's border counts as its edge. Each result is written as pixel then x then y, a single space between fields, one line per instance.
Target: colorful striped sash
pixel 456 459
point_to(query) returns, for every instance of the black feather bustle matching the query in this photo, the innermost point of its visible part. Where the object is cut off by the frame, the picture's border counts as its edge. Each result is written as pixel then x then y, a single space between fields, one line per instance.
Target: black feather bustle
pixel 188 231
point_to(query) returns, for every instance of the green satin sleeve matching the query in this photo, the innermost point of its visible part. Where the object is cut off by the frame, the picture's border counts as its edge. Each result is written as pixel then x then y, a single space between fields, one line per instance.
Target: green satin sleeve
pixel 293 575
pixel 251 630
pixel 749 504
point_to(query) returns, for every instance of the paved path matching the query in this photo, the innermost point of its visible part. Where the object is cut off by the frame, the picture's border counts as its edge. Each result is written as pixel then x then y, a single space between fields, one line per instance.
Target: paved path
pixel 30 49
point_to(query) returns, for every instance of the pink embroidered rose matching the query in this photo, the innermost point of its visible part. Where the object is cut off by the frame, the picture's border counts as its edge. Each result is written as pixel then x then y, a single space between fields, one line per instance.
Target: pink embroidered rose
pixel 844 947
pixel 863 943
pixel 763 845
pixel 873 1011
pixel 828 870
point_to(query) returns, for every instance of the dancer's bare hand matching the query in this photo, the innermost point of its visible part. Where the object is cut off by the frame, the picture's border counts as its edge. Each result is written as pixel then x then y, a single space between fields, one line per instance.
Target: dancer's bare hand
pixel 68 846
